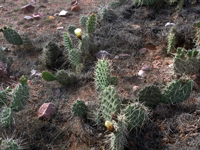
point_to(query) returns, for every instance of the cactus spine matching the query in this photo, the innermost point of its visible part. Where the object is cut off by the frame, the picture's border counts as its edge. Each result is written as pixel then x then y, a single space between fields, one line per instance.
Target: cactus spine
pixel 110 102
pixel 177 91
pixel 11 36
pixel 79 108
pixel 6 117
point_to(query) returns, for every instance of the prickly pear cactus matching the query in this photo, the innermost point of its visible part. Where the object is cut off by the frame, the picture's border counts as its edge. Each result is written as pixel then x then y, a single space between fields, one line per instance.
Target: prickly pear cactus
pixel 3 98
pixel 10 144
pixel 80 68
pixel 150 96
pixel 193 65
pixel 48 76
pixel 79 108
pixel 62 77
pixel 83 21
pixel 177 91
pixel 91 24
pixel 6 117
pixel 136 114
pixel 1 55
pixel 20 97
pixel 171 40
pixel 67 42
pixel 74 57
pixel 110 102
pixel 180 65
pixel 84 44
pixel 51 52
pixel 102 74
pixel 11 36
pixel 27 44
pixel 71 29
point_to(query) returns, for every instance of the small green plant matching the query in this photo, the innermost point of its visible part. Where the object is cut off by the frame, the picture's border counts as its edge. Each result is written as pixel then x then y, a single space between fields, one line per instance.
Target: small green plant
pixel 79 108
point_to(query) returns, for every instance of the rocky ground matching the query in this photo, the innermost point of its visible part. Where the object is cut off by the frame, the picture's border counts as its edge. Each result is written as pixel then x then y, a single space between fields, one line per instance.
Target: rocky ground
pixel 136 40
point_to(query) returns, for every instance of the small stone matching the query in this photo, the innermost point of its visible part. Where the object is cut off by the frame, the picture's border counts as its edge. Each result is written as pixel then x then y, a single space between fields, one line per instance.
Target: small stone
pixel 33 72
pixel 57 92
pixel 56 14
pixel 169 24
pixel 143 50
pixel 102 54
pixel 38 15
pixel 46 111
pixel 28 18
pixel 74 3
pixel 28 8
pixel 63 13
pixel 146 67
pixel 136 27
pixel 116 57
pixel 135 88
pixel 12 77
pixel 75 8
pixel 141 73
pixel 60 28
pixel 51 18
pixel 150 46
pixel 124 56
pixel 171 65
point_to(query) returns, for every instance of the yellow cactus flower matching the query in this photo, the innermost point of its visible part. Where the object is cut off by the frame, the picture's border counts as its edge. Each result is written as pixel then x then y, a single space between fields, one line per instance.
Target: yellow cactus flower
pixel 109 126
pixel 78 33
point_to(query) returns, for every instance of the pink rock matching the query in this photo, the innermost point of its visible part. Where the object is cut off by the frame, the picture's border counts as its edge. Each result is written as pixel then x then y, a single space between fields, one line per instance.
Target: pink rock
pixel 12 77
pixel 75 8
pixel 135 88
pixel 28 8
pixel 143 50
pixel 146 67
pixel 46 110
pixel 38 15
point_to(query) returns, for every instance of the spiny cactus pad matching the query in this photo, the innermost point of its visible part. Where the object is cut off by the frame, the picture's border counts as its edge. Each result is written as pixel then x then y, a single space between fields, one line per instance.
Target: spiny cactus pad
pixel 74 57
pixel 102 74
pixel 91 24
pixel 177 91
pixel 150 95
pixel 62 77
pixel 20 97
pixel 110 102
pixel 67 42
pixel 12 36
pixel 6 117
pixel 51 52
pixel 27 44
pixel 84 44
pixel 171 40
pixel 3 98
pixel 48 76
pixel 136 114
pixel 83 21
pixel 71 29
pixel 79 108
pixel 80 68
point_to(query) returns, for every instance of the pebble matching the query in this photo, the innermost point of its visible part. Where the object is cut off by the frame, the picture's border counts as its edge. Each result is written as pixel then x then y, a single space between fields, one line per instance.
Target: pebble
pixel 28 18
pixel 135 88
pixel 28 7
pixel 169 24
pixel 75 8
pixel 60 28
pixel 63 13
pixel 146 67
pixel 102 54
pixel 150 46
pixel 143 50
pixel 141 73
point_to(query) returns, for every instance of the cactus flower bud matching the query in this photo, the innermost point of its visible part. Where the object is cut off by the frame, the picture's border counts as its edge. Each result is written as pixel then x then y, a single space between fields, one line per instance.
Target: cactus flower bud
pixel 78 33
pixel 109 126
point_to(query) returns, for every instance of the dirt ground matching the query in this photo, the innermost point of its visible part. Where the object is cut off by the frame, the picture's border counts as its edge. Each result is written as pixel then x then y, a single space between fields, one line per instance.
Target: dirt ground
pixel 169 127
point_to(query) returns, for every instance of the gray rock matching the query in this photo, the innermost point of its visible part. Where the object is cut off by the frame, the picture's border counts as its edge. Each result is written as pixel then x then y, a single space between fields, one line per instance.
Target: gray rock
pixel 102 54
pixel 122 56
pixel 28 18
pixel 28 8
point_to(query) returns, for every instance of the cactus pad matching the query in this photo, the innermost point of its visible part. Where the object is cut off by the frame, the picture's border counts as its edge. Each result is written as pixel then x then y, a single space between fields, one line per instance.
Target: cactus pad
pixel 48 76
pixel 62 77
pixel 74 57
pixel 91 24
pixel 67 42
pixel 79 108
pixel 71 29
pixel 12 36
pixel 83 21
pixel 110 102
pixel 6 117
pixel 27 44
pixel 177 91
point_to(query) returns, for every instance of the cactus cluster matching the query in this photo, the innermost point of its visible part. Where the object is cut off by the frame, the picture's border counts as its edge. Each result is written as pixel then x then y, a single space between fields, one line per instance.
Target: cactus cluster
pixel 11 36
pixel 62 76
pixel 189 64
pixel 79 108
pixel 19 99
